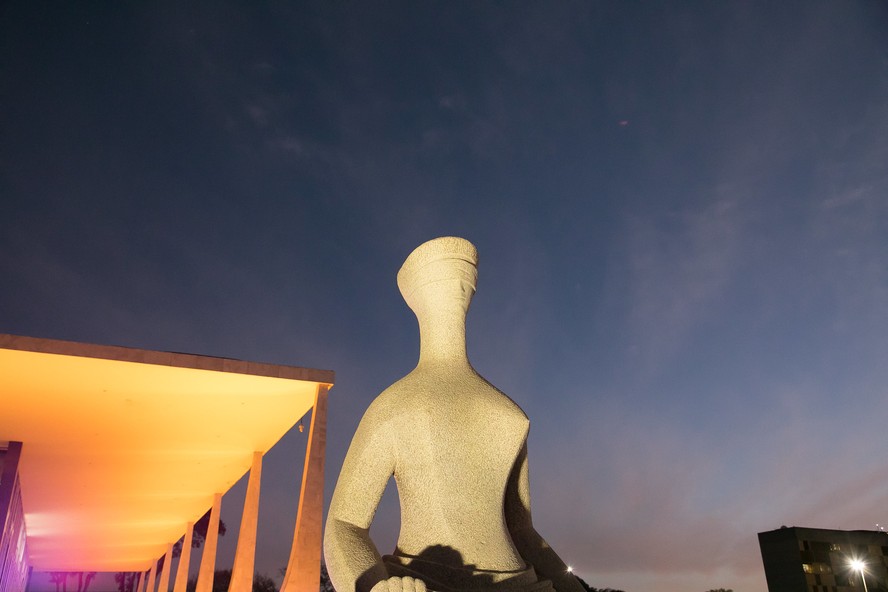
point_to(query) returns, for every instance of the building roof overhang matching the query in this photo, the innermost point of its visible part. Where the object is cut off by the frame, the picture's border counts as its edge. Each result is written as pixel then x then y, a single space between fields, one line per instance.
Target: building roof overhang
pixel 123 447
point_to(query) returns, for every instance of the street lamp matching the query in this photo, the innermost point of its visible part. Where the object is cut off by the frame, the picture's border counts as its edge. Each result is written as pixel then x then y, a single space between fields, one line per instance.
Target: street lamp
pixel 858 565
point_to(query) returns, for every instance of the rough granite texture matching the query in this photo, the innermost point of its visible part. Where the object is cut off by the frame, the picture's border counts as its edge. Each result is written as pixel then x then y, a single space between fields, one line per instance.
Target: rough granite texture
pixel 457 448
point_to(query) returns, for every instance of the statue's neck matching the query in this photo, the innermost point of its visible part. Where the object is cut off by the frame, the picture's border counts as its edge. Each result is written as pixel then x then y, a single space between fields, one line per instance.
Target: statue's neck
pixel 443 339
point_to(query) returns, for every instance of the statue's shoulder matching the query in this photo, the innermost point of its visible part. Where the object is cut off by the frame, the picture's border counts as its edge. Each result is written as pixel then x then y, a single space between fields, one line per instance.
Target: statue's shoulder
pixel 392 402
pixel 503 402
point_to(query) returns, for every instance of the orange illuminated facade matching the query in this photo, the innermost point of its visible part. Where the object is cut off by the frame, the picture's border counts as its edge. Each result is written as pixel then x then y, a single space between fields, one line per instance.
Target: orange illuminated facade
pixel 121 449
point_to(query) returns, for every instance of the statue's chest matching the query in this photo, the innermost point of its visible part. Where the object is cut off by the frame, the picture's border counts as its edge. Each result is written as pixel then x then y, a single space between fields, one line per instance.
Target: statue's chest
pixel 475 446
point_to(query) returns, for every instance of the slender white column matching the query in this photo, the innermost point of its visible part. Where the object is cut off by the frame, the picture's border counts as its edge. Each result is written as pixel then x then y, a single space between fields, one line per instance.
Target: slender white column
pixel 242 569
pixel 164 584
pixel 304 567
pixel 208 557
pixel 152 575
pixel 184 560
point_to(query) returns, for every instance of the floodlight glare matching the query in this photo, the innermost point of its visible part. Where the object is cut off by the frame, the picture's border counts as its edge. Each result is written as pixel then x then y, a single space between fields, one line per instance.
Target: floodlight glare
pixel 858 565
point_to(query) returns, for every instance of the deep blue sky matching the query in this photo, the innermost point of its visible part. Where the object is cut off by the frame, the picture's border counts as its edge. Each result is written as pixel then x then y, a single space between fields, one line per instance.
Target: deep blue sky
pixel 681 211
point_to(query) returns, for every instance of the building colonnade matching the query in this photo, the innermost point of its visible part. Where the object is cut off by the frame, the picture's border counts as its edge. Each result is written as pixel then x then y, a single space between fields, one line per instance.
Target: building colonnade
pixel 304 566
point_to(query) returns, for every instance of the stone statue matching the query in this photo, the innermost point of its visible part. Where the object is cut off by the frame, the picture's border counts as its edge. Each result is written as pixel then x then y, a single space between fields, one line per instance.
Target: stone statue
pixel 457 448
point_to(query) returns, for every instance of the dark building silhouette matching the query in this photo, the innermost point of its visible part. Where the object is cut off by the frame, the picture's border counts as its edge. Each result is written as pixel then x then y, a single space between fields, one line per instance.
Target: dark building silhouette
pixel 819 560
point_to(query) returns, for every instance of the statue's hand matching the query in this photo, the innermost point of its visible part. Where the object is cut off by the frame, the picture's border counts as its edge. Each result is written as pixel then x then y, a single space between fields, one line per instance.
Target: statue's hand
pixel 399 584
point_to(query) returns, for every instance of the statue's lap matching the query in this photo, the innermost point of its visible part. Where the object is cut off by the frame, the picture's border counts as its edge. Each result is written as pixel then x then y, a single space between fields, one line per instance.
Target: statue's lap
pixel 448 578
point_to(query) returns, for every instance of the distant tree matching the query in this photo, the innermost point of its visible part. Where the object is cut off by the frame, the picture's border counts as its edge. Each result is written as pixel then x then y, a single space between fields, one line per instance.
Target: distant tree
pixel 326 584
pixel 222 578
pixel 60 578
pixel 126 581
pixel 589 588
pixel 720 590
pixel 85 583
pixel 199 535
pixel 262 583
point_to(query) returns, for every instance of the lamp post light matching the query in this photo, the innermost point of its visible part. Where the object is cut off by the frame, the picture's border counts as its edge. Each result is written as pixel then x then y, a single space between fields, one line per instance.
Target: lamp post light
pixel 858 565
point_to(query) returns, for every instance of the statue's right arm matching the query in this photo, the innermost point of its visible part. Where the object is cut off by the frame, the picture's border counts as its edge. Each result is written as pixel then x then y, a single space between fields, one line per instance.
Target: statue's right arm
pixel 352 560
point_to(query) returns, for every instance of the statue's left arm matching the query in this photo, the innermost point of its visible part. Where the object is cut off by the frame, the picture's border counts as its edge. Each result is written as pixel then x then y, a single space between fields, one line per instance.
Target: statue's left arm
pixel 532 547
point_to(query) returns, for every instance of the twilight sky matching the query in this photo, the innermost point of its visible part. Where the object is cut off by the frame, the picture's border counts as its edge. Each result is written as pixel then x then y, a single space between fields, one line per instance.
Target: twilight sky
pixel 681 211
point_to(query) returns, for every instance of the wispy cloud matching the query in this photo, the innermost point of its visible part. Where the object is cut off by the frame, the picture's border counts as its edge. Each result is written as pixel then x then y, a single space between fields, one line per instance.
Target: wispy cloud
pixel 679 266
pixel 652 500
